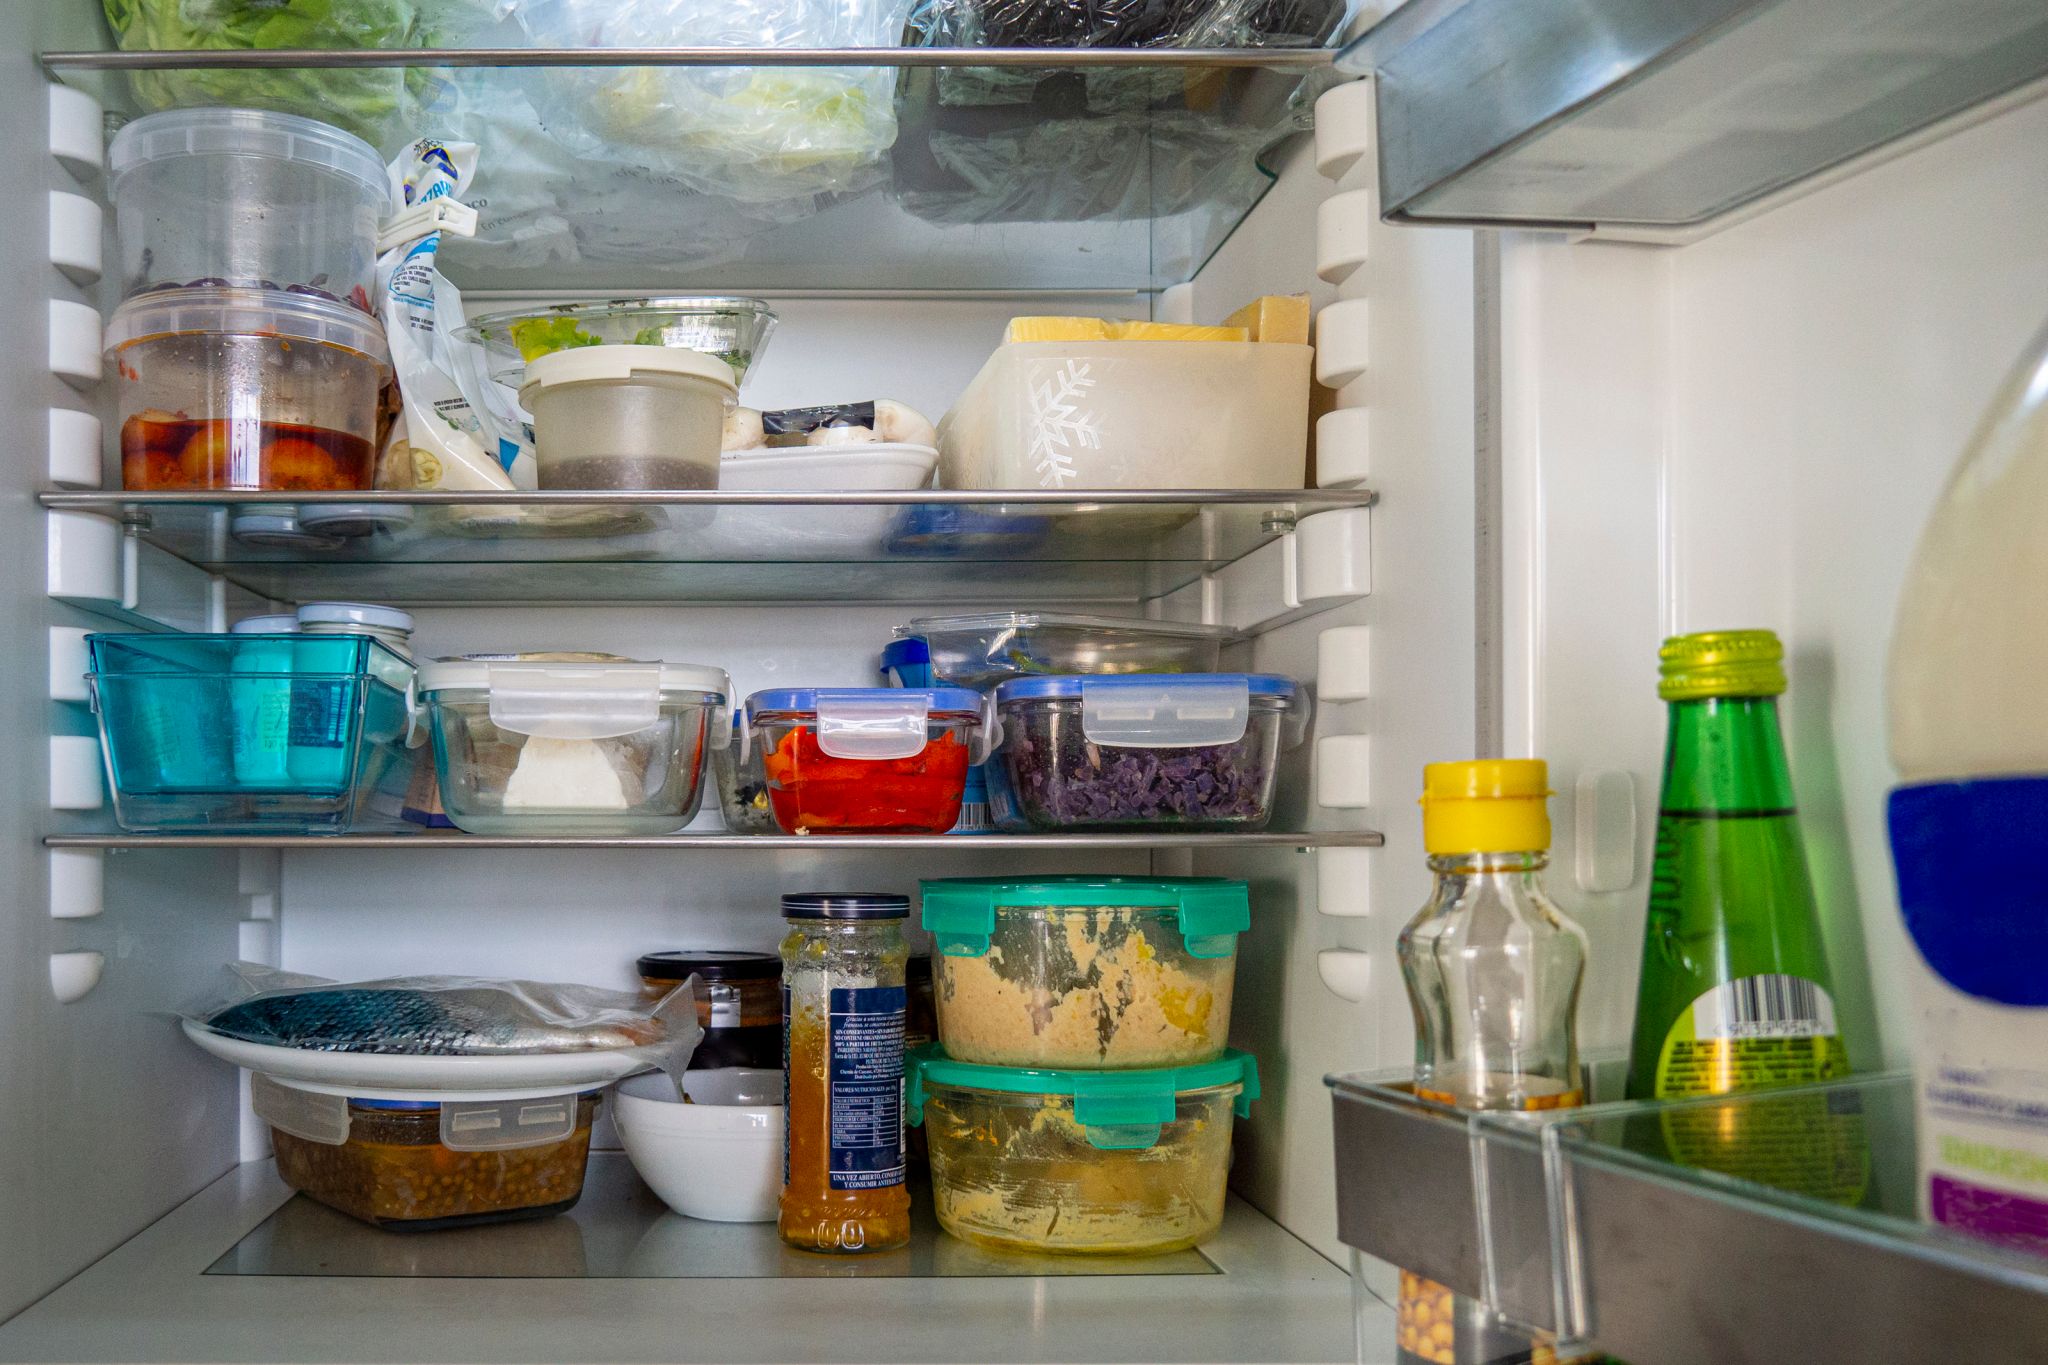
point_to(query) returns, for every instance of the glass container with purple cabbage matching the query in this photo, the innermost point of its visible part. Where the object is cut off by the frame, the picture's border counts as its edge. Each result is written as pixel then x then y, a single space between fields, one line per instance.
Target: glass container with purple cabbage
pixel 1186 751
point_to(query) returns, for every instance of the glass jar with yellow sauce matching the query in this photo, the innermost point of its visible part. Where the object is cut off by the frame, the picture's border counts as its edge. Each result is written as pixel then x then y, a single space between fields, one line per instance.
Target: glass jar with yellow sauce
pixel 844 998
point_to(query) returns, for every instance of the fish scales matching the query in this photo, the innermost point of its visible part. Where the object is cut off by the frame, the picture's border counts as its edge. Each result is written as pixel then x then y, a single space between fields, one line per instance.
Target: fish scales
pixel 455 1023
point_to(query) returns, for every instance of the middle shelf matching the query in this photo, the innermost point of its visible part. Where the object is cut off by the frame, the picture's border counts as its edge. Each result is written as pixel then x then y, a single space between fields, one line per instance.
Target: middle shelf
pixel 712 840
pixel 934 546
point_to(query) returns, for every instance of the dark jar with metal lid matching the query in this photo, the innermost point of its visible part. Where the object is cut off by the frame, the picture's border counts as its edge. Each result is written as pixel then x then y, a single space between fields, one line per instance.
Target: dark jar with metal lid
pixel 739 1003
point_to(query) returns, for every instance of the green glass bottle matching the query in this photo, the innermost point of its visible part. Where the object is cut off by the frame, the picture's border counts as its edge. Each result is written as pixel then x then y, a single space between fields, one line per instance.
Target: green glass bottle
pixel 1735 992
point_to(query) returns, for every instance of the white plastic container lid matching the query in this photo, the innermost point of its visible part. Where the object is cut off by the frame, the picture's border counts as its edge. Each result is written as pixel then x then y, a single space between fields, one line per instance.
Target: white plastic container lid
pixel 557 700
pixel 365 614
pixel 219 308
pixel 279 623
pixel 245 132
pixel 610 364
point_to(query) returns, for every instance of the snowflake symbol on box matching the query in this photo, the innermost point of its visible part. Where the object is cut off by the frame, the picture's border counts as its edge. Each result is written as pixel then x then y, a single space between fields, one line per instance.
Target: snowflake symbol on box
pixel 1059 425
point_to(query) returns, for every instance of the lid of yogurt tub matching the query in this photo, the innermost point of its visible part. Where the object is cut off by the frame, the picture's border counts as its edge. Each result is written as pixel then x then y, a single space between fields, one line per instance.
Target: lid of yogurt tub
pixel 368 615
pixel 711 965
pixel 276 623
pixel 612 363
pixel 961 912
pixel 1120 1111
pixel 908 659
pixel 246 132
pixel 229 310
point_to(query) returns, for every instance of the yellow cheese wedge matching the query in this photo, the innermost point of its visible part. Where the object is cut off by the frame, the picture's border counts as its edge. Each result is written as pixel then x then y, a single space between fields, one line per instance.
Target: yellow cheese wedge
pixel 1057 329
pixel 1175 331
pixel 1275 317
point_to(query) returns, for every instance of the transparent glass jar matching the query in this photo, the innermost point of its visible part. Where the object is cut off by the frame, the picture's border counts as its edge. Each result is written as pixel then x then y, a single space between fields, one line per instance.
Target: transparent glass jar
pixel 844 997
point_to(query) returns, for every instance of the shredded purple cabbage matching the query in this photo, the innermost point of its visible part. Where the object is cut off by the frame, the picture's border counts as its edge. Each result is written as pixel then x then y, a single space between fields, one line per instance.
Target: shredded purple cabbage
pixel 1061 779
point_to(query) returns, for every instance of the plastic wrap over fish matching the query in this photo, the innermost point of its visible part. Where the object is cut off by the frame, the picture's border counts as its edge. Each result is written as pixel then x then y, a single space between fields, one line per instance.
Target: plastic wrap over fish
pixel 453 1016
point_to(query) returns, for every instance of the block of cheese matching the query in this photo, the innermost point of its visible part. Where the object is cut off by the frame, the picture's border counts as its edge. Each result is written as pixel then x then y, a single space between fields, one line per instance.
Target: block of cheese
pixel 1057 329
pixel 1175 331
pixel 1275 317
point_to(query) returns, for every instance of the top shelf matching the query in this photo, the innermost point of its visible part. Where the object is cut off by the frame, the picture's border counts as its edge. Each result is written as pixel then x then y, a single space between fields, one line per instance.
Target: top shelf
pixel 834 169
pixel 1643 117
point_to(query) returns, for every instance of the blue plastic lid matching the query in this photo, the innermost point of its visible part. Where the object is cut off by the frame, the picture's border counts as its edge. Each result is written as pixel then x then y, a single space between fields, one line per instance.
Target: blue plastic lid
pixel 909 660
pixel 1269 686
pixel 940 699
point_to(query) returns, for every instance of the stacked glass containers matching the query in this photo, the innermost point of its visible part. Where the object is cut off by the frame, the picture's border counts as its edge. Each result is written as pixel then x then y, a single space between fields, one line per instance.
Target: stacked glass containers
pixel 1080 1095
pixel 246 355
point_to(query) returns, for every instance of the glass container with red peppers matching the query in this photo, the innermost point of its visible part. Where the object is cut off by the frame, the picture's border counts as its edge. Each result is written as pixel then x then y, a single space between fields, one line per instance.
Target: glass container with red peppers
pixel 867 760
pixel 228 388
pixel 739 1003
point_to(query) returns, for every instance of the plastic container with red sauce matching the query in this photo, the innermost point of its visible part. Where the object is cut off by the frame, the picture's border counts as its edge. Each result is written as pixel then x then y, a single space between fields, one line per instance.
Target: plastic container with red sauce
pixel 867 760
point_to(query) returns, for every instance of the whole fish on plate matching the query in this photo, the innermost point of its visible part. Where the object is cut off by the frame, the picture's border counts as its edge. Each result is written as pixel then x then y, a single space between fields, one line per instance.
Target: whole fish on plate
pixel 444 1017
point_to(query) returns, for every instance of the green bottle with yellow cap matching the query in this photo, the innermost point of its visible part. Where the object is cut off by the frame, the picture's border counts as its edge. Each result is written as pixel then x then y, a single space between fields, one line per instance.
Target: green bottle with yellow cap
pixel 1735 991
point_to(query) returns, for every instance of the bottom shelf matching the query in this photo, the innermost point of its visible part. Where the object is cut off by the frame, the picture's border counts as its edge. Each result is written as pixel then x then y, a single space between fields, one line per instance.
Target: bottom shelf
pixel 244 1271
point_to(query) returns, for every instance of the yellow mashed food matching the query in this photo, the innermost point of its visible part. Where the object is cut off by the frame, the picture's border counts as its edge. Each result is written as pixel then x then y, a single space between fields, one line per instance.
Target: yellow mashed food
pixel 1109 987
pixel 1018 1171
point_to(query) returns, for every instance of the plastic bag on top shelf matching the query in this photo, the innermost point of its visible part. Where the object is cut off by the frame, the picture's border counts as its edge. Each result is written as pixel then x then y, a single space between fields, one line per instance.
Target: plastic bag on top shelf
pixel 764 135
pixel 451 1016
pixel 1022 144
pixel 376 105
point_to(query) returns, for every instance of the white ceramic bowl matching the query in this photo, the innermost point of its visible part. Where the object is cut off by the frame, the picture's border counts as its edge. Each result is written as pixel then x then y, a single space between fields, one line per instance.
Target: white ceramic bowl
pixel 719 1158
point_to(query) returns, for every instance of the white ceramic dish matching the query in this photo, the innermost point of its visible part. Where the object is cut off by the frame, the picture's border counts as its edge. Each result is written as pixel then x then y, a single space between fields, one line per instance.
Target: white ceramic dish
pixel 807 533
pixel 876 466
pixel 379 1076
pixel 718 1158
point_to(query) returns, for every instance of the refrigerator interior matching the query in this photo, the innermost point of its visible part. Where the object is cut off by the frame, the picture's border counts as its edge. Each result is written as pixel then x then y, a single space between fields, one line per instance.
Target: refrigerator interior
pixel 1592 445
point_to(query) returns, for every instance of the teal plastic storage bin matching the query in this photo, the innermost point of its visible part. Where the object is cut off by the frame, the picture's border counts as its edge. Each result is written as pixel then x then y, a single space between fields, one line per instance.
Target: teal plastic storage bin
pixel 251 733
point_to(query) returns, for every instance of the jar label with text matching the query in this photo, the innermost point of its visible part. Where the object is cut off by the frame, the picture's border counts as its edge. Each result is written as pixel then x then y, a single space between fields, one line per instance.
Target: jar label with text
pixel 864 1076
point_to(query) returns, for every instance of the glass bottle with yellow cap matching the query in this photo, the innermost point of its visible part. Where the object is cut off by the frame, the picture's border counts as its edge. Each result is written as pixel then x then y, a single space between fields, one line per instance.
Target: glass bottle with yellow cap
pixel 1493 967
pixel 1735 991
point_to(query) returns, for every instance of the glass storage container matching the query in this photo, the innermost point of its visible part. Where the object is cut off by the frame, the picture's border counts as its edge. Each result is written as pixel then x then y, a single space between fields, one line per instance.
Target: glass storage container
pixel 254 732
pixel 1190 751
pixel 575 745
pixel 734 330
pixel 1085 972
pixel 249 389
pixel 1081 1161
pixel 416 1165
pixel 739 1003
pixel 983 650
pixel 742 785
pixel 249 198
pixel 866 760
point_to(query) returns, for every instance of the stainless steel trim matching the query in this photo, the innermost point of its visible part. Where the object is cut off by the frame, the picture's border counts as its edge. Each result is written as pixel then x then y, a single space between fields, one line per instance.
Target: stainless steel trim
pixel 965 843
pixel 239 59
pixel 1076 499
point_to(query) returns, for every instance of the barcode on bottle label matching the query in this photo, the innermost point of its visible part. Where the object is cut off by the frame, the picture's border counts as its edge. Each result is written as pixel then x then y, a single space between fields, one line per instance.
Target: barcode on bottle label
pixel 1770 1006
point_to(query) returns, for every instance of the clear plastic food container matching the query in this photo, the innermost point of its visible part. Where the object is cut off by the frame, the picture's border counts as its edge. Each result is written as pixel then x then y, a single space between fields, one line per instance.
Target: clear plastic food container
pixel 1189 751
pixel 1085 1161
pixel 245 389
pixel 416 1165
pixel 983 650
pixel 250 198
pixel 1085 973
pixel 742 784
pixel 734 330
pixel 866 760
pixel 1131 414
pixel 251 732
pixel 627 417
pixel 540 745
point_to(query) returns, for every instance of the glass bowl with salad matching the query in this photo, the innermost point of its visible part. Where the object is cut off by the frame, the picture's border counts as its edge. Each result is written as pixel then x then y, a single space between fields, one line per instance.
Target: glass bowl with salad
pixel 733 329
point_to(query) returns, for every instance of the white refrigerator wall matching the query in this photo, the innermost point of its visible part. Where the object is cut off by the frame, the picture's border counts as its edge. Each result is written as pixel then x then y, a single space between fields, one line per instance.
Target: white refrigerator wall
pixel 1751 431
